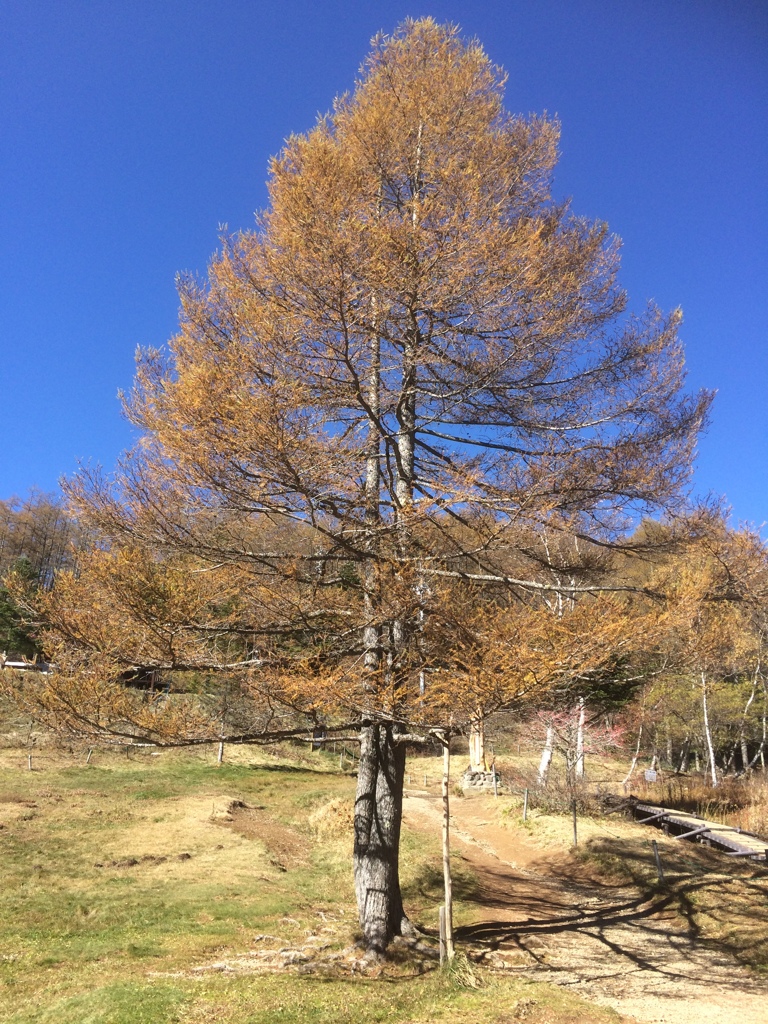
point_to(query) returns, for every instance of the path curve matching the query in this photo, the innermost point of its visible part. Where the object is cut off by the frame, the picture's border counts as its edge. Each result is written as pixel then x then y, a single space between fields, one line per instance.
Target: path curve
pixel 614 946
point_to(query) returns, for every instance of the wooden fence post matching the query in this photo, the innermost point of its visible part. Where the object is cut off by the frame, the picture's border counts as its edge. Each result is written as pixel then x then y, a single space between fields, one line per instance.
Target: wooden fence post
pixel 447 879
pixel 657 858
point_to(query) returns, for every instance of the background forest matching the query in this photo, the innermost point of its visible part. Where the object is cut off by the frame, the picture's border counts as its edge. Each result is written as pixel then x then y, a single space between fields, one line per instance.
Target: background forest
pixel 688 697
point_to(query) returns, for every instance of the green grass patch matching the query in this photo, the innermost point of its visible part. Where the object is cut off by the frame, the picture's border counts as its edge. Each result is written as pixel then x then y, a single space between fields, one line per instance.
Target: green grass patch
pixel 120 877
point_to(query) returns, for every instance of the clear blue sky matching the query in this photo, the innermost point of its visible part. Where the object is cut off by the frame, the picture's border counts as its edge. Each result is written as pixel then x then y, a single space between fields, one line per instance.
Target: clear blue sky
pixel 129 131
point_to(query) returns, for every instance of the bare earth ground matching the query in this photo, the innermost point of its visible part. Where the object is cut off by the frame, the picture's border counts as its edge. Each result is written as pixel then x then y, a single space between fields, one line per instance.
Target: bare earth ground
pixel 528 909
pixel 610 944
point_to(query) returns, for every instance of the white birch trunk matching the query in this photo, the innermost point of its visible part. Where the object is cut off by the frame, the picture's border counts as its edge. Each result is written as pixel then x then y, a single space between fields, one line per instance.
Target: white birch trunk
pixel 744 754
pixel 628 776
pixel 760 755
pixel 546 756
pixel 743 723
pixel 707 730
pixel 580 740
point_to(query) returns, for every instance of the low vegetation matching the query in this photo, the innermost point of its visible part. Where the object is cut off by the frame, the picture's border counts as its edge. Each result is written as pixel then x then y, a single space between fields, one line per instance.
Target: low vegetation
pixel 139 888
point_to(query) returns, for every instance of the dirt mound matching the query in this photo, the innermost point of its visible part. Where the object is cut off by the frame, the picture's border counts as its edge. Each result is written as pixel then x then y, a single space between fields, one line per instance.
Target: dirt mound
pixel 336 816
pixel 147 858
pixel 287 847
pixel 225 808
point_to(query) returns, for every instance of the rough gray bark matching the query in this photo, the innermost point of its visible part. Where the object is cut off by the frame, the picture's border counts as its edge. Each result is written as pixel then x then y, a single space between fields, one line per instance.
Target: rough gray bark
pixel 371 632
pixel 684 755
pixel 378 815
pixel 379 799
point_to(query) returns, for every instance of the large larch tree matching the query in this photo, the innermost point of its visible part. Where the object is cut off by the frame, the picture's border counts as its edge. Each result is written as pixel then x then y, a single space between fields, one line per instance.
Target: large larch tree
pixel 415 359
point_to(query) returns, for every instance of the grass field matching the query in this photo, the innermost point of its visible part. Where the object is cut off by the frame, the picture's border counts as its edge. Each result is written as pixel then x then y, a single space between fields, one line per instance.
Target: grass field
pixel 138 890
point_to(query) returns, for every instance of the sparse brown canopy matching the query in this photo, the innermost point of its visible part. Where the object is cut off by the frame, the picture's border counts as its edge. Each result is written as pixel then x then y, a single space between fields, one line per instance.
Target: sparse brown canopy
pixel 416 358
pixel 416 354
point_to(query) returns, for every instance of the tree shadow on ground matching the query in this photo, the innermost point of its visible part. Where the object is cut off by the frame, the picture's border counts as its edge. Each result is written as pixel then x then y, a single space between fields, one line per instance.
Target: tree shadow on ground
pixel 598 914
pixel 294 769
pixel 427 883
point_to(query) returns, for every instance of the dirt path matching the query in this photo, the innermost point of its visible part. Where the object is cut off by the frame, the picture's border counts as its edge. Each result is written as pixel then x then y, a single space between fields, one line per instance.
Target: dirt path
pixel 611 944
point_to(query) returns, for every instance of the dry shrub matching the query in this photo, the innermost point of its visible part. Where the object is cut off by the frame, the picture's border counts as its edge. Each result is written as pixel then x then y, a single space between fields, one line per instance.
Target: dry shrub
pixel 739 801
pixel 334 817
pixel 558 797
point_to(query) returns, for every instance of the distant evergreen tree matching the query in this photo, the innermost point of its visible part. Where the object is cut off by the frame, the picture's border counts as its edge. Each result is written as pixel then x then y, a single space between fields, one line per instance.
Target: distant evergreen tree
pixel 38 538
pixel 15 638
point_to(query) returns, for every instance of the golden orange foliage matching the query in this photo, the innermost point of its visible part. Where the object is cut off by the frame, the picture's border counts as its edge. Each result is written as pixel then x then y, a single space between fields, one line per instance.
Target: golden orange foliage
pixel 416 366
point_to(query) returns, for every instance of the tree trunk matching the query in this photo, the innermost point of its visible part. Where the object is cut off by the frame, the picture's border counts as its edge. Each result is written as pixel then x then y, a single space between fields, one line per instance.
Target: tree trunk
pixel 628 776
pixel 760 755
pixel 378 814
pixel 546 756
pixel 477 762
pixel 707 729
pixel 580 740
pixel 684 755
pixel 743 723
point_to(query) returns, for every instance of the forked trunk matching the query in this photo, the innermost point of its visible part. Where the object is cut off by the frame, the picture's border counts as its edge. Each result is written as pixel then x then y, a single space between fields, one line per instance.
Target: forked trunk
pixel 378 814
pixel 633 765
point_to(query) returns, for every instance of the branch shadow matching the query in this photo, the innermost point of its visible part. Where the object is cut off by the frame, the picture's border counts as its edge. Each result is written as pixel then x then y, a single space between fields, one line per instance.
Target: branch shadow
pixel 696 924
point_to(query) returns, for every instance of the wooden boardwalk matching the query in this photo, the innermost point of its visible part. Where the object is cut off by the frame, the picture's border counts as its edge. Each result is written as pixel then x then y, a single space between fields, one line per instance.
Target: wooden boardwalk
pixel 682 825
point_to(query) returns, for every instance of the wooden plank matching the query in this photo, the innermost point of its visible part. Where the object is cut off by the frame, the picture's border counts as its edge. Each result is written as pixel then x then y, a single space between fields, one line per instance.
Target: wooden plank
pixel 735 842
pixel 653 817
pixel 694 832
